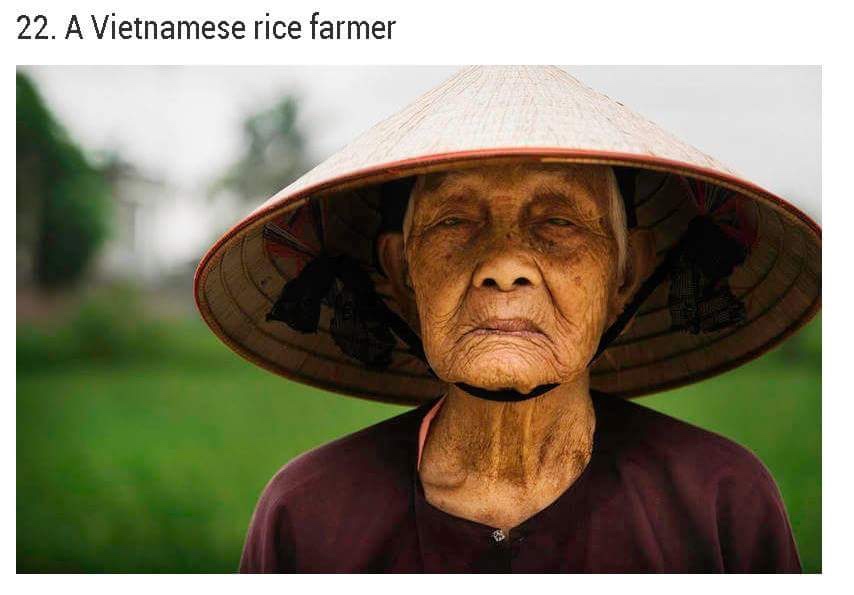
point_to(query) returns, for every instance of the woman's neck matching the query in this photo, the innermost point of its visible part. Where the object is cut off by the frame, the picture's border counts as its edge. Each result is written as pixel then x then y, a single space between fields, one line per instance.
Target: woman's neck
pixel 528 451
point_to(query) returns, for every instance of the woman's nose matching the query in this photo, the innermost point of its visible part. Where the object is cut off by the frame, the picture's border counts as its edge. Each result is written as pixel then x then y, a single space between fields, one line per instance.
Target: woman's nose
pixel 507 271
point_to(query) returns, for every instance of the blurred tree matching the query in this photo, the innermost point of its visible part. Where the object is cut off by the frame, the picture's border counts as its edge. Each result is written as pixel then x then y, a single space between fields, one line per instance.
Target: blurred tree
pixel 804 347
pixel 62 199
pixel 274 156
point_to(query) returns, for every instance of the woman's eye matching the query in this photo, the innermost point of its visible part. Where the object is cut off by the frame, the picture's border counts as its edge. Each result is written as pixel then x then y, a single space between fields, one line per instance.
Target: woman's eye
pixel 559 221
pixel 450 221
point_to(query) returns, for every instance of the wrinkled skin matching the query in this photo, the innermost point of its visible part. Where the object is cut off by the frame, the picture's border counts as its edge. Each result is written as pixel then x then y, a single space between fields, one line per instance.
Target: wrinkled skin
pixel 510 276
pixel 499 244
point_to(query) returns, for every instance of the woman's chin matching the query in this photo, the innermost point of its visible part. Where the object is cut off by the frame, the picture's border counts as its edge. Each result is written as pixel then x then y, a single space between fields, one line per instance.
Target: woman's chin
pixel 502 371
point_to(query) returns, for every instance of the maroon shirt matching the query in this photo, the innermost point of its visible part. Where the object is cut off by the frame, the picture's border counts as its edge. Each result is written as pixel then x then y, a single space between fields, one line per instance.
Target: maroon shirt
pixel 657 495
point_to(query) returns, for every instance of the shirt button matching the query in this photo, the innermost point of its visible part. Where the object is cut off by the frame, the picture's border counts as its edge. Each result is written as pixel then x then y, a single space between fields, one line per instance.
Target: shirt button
pixel 498 535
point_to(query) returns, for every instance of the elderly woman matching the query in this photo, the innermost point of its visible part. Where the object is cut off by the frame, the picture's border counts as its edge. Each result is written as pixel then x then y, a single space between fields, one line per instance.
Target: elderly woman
pixel 516 291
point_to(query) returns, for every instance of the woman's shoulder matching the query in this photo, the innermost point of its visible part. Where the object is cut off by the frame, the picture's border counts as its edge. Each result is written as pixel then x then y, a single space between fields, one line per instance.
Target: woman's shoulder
pixel 696 481
pixel 644 437
pixel 376 456
pixel 349 491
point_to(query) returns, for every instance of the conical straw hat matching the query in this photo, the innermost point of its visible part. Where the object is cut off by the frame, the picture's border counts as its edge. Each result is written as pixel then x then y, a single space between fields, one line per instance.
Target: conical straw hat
pixel 492 115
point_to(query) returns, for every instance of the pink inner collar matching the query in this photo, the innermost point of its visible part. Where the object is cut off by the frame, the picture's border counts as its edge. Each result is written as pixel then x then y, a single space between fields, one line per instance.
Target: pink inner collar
pixel 425 427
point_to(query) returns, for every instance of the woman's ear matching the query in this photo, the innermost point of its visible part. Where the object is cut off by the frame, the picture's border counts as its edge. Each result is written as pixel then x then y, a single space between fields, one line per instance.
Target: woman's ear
pixel 640 261
pixel 392 260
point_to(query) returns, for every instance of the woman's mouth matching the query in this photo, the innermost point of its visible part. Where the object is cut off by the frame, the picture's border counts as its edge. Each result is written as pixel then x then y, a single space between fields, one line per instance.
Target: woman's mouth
pixel 519 327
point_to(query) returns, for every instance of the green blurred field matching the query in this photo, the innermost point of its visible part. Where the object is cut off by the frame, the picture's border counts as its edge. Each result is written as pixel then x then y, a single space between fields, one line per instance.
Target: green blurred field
pixel 151 461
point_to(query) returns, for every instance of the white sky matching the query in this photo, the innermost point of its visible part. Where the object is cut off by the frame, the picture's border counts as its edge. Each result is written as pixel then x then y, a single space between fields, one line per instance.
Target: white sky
pixel 183 124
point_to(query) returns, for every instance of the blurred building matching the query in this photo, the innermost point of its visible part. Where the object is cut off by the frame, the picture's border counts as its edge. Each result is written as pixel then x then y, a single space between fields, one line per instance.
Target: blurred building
pixel 129 253
pixel 145 225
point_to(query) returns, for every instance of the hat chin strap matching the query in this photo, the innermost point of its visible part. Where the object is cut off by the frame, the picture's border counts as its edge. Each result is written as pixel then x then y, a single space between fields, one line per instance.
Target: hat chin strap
pixel 509 395
pixel 504 395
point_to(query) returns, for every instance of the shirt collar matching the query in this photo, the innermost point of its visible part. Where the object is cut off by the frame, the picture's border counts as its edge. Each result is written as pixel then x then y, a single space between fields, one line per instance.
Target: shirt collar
pixel 425 427
pixel 447 541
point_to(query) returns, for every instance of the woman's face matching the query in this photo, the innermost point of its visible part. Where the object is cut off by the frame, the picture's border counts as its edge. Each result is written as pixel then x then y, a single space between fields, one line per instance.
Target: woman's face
pixel 514 272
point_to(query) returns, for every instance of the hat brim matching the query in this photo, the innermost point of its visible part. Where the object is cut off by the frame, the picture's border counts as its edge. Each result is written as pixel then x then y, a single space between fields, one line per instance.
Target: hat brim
pixel 239 279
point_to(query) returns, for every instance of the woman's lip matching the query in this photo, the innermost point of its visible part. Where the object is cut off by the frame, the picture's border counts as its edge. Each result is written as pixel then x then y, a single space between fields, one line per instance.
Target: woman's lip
pixel 489 331
pixel 516 326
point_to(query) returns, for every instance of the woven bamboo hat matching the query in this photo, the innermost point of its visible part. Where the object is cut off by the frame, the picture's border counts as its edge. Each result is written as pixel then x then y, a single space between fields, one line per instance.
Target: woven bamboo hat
pixel 487 115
